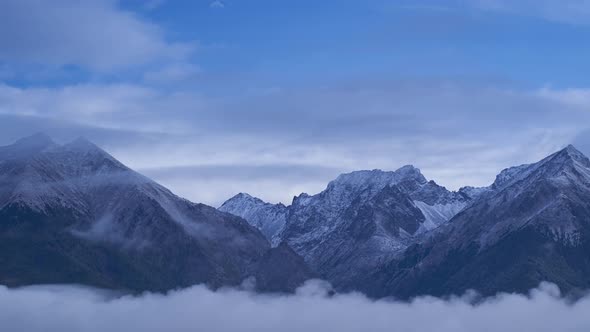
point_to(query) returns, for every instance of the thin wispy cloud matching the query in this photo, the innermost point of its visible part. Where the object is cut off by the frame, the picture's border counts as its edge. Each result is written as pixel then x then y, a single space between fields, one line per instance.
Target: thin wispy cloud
pixel 564 11
pixel 173 73
pixel 217 4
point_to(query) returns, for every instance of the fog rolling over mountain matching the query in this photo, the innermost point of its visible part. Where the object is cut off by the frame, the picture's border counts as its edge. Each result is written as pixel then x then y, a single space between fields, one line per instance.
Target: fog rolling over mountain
pixel 397 234
pixel 73 214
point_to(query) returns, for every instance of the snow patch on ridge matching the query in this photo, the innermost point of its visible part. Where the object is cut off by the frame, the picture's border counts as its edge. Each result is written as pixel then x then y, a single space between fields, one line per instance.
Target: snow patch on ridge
pixel 438 214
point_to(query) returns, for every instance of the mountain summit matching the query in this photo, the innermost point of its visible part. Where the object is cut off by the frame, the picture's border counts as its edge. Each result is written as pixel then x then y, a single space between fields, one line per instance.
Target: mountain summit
pixel 532 225
pixel 398 234
pixel 360 219
pixel 27 146
pixel 268 218
pixel 74 214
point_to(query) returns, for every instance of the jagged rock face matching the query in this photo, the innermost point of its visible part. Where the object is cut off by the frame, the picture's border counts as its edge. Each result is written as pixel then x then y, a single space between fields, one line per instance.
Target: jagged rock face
pixel 311 217
pixel 369 233
pixel 532 225
pixel 74 214
pixel 362 219
pixel 396 234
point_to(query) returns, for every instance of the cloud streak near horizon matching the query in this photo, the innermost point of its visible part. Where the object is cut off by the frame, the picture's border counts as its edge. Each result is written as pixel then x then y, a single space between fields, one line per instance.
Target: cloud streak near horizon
pixel 73 308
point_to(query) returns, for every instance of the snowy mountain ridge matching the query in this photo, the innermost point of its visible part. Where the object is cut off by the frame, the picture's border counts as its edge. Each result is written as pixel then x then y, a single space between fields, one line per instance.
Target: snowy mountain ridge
pixel 531 225
pixel 365 218
pixel 360 219
pixel 437 204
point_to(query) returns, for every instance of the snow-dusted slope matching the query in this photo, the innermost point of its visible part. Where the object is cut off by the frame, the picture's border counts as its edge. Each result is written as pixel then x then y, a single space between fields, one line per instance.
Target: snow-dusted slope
pixel 559 182
pixel 531 225
pixel 359 219
pixel 436 203
pixel 438 213
pixel 97 219
pixel 27 146
pixel 268 218
pixel 73 214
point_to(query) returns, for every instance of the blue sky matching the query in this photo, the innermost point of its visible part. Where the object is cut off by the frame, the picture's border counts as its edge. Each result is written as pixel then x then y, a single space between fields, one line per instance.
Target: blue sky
pixel 278 97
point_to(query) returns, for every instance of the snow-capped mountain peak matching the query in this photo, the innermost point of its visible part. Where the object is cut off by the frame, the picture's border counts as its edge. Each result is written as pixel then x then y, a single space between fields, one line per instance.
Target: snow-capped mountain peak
pixel 408 172
pixel 571 154
pixel 27 146
pixel 88 158
pixel 568 162
pixel 38 139
pixel 268 218
pixel 363 185
pixel 243 197
pixel 573 151
pixel 359 215
pixel 83 144
pixel 359 180
pixel 531 225
pixel 508 175
pixel 91 218
pixel 37 173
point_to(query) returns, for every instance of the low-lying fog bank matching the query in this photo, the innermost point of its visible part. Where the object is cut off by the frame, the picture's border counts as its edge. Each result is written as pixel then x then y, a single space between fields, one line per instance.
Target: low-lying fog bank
pixel 74 308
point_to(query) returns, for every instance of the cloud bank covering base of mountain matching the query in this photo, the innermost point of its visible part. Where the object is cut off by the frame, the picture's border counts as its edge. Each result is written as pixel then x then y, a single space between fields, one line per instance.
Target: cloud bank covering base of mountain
pixel 72 308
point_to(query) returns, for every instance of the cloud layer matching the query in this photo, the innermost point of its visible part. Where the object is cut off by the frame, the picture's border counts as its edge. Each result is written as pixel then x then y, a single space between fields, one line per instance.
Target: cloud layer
pixel 301 138
pixel 71 308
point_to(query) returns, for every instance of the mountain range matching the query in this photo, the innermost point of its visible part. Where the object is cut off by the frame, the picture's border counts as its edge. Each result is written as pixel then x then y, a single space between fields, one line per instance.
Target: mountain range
pixel 397 234
pixel 72 213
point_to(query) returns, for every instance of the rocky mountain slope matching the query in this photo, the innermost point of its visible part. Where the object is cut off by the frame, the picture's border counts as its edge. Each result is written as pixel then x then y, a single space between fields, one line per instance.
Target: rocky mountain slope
pixel 73 214
pixel 531 225
pixel 397 234
pixel 269 218
pixel 359 221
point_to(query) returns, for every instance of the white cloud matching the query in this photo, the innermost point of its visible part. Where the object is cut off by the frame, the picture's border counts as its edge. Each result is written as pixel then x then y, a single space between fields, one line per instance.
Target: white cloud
pixel 173 73
pixel 95 34
pixel 217 4
pixel 574 96
pixel 114 106
pixel 68 308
